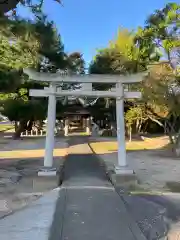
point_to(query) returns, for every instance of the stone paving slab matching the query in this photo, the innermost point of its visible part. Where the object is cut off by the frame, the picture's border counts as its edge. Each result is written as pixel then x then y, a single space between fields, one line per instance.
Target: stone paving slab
pixel 150 216
pixel 33 222
pixel 97 214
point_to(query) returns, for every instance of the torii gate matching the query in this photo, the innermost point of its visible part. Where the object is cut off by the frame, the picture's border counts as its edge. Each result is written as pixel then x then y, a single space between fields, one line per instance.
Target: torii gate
pixel 53 91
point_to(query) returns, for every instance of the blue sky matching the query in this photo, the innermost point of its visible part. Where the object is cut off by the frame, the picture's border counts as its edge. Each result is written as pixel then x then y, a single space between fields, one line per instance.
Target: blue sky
pixel 88 25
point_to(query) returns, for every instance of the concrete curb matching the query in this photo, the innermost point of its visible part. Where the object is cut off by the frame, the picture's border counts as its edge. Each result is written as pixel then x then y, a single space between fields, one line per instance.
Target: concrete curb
pixel 57 224
pixel 108 173
pixel 60 171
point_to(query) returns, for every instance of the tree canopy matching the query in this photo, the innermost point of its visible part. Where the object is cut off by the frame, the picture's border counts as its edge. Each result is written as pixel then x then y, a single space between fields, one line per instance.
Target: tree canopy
pixel 155 47
pixel 122 56
pixel 161 33
pixel 34 44
pixel 144 50
pixel 34 6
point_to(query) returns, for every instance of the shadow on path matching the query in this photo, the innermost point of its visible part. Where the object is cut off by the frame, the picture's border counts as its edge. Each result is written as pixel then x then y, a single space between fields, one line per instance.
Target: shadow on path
pixel 84 170
pixel 88 206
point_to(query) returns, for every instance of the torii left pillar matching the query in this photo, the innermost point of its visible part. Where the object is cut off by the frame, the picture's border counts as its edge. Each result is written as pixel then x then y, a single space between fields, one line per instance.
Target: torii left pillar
pixel 49 145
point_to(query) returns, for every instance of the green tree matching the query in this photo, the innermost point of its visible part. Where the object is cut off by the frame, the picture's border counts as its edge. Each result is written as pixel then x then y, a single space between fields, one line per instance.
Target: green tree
pixel 76 63
pixel 122 56
pixel 49 56
pixel 135 118
pixel 161 89
pixel 161 34
pixel 29 47
pixel 34 6
pixel 133 52
pixel 161 98
pixel 18 49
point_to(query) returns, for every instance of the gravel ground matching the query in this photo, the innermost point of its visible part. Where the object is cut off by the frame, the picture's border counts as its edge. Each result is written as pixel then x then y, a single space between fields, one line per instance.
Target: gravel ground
pixel 17 189
pixel 157 213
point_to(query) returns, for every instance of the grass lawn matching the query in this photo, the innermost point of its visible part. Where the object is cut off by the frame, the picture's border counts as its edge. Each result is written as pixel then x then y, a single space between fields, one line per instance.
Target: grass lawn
pixel 30 154
pixel 112 146
pixel 6 127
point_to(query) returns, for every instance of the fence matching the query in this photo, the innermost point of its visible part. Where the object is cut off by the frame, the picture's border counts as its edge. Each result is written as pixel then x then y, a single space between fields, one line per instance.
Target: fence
pixel 34 133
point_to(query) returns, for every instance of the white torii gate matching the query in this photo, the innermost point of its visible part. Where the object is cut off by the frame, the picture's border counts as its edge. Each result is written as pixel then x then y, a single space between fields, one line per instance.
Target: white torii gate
pixel 53 91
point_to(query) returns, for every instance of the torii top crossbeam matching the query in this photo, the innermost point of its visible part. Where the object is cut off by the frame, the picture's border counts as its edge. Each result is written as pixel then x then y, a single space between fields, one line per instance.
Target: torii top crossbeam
pixel 85 78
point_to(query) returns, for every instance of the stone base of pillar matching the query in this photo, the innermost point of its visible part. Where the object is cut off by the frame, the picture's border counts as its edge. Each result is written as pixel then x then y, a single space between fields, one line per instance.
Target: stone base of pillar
pixel 123 170
pixel 124 177
pixel 43 184
pixel 46 179
pixel 47 172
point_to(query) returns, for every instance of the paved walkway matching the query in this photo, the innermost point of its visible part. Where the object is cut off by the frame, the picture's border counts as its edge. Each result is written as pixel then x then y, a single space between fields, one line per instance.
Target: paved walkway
pixel 88 206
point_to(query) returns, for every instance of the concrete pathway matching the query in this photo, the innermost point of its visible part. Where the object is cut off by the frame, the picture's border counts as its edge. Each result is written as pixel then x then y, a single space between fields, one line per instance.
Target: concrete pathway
pixel 88 206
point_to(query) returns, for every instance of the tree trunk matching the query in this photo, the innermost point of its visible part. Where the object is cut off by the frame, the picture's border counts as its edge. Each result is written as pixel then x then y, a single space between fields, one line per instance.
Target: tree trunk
pixel 170 137
pixel 113 128
pixel 107 100
pixel 170 132
pixel 177 144
pixel 130 134
pixel 165 128
pixel 16 125
pixel 21 128
pixel 140 126
pixel 145 126
pixel 39 125
pixel 29 125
